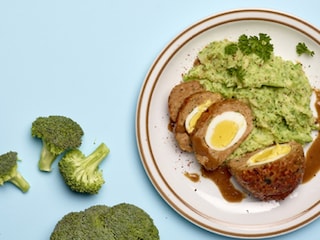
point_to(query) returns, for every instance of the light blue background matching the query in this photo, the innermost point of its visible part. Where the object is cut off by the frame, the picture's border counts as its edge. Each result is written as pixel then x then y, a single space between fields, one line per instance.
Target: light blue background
pixel 87 60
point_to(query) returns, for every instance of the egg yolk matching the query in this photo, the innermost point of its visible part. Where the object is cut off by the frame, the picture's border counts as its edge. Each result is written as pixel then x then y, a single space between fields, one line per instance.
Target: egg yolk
pixel 193 117
pixel 270 154
pixel 225 130
pixel 224 133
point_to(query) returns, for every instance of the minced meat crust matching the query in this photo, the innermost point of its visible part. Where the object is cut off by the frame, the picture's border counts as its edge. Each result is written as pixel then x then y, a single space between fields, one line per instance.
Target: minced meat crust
pixel 190 103
pixel 210 158
pixel 178 94
pixel 274 180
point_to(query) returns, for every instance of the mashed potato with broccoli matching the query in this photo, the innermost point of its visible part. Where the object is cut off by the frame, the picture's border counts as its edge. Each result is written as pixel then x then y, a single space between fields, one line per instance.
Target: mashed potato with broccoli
pixel 277 91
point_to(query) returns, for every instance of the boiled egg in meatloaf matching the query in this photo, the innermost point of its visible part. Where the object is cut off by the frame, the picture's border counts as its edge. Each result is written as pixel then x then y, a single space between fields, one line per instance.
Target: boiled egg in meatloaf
pixel 272 173
pixel 225 130
pixel 178 94
pixel 269 154
pixel 188 115
pixel 193 117
pixel 220 130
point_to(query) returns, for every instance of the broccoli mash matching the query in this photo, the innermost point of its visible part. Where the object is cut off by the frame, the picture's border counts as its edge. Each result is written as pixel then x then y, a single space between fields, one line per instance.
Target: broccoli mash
pixel 277 91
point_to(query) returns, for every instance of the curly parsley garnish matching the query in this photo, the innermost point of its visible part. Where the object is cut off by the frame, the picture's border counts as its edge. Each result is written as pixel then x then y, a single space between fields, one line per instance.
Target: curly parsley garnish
pixel 302 48
pixel 231 49
pixel 237 72
pixel 259 45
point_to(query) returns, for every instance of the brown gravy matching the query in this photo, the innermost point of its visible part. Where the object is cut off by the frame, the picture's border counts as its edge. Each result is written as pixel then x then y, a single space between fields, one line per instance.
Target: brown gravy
pixel 313 154
pixel 221 177
pixel 194 177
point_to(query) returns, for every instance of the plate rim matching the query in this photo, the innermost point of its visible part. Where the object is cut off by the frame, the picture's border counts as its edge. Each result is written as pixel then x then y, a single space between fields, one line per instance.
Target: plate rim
pixel 171 45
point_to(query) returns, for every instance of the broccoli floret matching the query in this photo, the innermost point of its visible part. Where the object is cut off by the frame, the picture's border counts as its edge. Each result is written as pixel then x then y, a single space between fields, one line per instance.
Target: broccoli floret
pixel 58 134
pixel 83 225
pixel 131 222
pixel 100 222
pixel 81 173
pixel 69 227
pixel 95 224
pixel 9 171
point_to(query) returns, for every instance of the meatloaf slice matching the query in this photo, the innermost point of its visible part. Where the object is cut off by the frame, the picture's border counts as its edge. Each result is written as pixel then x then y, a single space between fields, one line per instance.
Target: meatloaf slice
pixel 207 156
pixel 178 94
pixel 192 107
pixel 273 180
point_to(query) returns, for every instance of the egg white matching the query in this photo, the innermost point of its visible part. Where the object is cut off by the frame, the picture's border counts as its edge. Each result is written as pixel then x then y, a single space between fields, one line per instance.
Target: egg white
pixel 194 115
pixel 236 117
pixel 275 152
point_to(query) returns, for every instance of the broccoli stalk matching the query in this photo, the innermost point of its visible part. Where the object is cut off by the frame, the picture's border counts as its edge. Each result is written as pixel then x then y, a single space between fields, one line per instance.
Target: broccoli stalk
pixel 58 134
pixel 9 171
pixel 19 181
pixel 47 157
pixel 81 173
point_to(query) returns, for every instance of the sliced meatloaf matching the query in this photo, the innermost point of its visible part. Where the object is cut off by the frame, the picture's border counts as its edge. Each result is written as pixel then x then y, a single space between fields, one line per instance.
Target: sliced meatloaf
pixel 271 180
pixel 207 156
pixel 178 94
pixel 191 109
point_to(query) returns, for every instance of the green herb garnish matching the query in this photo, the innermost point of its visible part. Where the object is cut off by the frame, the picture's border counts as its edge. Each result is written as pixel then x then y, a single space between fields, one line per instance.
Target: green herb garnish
pixel 259 45
pixel 231 49
pixel 302 48
pixel 237 72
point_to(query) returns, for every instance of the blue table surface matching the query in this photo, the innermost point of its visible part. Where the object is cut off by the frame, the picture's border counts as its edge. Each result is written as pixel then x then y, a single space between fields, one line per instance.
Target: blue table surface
pixel 87 60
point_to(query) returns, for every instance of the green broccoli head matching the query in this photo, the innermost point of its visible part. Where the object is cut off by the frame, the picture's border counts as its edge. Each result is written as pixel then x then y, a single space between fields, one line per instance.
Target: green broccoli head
pixel 58 134
pixel 94 223
pixel 82 225
pixel 96 214
pixel 88 224
pixel 131 222
pixel 81 173
pixel 100 222
pixel 9 171
pixel 69 227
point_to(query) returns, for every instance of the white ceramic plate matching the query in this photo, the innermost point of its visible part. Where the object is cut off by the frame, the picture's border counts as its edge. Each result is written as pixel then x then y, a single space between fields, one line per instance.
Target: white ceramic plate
pixel 201 202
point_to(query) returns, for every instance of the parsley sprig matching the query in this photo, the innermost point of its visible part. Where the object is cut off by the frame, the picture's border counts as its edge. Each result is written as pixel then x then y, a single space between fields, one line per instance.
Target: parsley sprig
pixel 302 48
pixel 260 45
pixel 237 72
pixel 231 49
